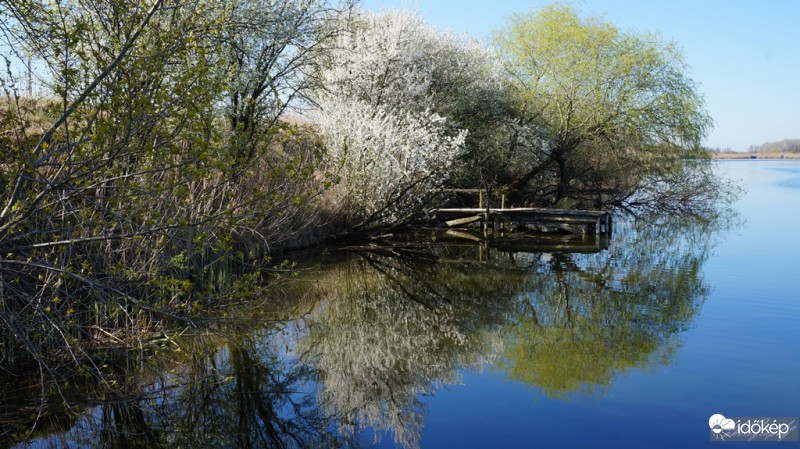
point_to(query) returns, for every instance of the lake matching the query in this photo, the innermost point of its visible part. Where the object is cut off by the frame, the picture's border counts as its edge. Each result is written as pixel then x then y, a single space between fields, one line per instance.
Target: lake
pixel 634 341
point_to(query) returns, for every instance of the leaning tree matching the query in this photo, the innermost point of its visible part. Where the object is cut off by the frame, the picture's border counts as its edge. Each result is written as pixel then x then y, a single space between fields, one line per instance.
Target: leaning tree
pixel 618 115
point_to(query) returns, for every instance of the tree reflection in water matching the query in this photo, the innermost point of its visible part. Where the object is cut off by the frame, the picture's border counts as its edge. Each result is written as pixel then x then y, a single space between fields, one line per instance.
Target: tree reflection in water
pixel 386 328
pixel 246 393
pixel 390 331
pixel 589 317
pixel 393 329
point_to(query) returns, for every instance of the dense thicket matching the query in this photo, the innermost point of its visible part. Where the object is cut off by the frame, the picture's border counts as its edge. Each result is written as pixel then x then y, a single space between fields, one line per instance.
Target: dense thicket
pixel 151 149
pixel 154 162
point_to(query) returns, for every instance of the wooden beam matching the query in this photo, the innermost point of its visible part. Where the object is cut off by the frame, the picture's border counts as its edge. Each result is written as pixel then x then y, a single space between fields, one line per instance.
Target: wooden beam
pixel 463 235
pixel 463 221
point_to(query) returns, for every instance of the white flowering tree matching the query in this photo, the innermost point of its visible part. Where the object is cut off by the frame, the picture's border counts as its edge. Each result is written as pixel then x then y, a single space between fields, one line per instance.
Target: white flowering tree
pixel 379 114
pixel 389 162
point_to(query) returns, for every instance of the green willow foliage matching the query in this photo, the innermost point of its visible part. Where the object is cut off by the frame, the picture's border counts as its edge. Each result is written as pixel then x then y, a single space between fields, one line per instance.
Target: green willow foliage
pixel 616 111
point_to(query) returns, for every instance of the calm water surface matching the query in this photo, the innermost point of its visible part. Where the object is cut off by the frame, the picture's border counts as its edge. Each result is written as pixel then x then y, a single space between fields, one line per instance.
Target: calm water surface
pixel 739 355
pixel 635 344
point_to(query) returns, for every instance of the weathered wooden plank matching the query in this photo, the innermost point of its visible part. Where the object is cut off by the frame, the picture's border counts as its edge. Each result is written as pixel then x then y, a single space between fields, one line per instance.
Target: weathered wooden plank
pixel 464 190
pixel 570 229
pixel 547 218
pixel 463 235
pixel 463 221
pixel 526 211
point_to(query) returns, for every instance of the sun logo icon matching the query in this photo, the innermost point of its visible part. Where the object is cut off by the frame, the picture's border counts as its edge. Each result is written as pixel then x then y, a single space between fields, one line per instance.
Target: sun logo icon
pixel 718 423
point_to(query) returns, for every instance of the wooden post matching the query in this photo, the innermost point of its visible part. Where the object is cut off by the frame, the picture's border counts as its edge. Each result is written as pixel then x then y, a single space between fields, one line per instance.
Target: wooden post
pixel 486 214
pixel 480 199
pixel 503 201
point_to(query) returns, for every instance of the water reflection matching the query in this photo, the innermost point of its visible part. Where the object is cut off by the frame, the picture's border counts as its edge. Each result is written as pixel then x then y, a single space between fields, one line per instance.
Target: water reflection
pixel 587 318
pixel 243 393
pixel 391 329
pixel 382 329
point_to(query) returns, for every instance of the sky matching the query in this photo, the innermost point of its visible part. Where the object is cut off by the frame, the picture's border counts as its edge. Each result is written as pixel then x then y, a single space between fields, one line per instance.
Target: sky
pixel 744 54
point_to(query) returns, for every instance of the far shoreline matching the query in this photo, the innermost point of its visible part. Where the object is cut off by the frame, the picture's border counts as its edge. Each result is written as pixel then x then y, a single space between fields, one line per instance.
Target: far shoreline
pixel 753 156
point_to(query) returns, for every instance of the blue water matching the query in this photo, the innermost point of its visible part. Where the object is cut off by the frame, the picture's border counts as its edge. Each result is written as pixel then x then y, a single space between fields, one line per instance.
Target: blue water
pixel 741 356
pixel 634 345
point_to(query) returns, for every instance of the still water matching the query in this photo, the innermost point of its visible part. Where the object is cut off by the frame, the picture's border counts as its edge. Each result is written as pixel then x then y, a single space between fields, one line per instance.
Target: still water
pixel 634 342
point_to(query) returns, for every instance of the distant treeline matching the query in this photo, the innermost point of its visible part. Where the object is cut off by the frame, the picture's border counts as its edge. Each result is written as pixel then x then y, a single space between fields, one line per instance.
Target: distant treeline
pixel 781 146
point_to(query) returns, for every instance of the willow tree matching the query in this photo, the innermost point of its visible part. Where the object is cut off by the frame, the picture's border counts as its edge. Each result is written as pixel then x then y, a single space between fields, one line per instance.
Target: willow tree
pixel 616 110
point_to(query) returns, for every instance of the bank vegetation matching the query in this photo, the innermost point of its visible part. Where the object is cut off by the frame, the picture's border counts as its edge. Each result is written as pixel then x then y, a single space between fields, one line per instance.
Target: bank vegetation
pixel 157 156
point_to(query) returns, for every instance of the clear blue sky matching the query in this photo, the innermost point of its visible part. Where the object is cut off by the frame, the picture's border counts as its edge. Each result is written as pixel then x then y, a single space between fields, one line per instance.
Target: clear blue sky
pixel 744 53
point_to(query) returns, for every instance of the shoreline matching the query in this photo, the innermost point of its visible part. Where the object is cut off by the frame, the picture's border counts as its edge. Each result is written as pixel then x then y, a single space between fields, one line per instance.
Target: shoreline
pixel 753 156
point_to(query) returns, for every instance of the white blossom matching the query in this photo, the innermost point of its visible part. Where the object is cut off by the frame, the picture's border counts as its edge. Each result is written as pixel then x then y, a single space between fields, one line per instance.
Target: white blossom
pixel 378 115
pixel 388 160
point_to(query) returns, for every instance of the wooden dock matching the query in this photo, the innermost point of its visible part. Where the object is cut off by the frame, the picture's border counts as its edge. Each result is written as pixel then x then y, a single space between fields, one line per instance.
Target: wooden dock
pixel 536 219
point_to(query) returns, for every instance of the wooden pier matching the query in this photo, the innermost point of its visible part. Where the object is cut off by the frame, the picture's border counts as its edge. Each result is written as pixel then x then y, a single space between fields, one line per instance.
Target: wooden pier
pixel 536 219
